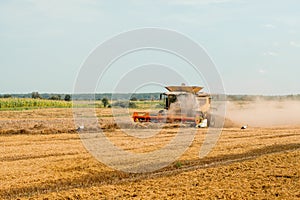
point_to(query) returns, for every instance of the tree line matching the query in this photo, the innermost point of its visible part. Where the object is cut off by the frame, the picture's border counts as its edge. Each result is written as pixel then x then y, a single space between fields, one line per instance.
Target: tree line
pixel 138 96
pixel 37 95
pixel 98 96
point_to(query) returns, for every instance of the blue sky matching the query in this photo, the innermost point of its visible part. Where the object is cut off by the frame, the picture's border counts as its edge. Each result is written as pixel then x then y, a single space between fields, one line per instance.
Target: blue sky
pixel 254 44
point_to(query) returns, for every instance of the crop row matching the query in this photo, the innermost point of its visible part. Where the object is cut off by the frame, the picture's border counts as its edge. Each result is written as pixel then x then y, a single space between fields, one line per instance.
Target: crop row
pixel 9 103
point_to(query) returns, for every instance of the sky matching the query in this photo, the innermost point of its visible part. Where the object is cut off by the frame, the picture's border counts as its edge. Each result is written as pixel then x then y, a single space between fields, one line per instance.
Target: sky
pixel 255 45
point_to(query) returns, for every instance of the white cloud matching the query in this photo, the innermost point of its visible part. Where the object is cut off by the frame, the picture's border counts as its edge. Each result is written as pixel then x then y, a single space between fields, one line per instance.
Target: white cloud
pixel 270 53
pixel 262 71
pixel 270 26
pixel 294 44
pixel 275 44
pixel 292 31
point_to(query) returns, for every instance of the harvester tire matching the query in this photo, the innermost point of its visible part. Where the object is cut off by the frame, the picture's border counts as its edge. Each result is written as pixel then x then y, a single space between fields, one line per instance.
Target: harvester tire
pixel 210 121
pixel 198 119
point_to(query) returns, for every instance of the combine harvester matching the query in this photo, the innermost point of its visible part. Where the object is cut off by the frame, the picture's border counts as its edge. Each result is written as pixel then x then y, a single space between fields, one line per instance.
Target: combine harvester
pixel 185 104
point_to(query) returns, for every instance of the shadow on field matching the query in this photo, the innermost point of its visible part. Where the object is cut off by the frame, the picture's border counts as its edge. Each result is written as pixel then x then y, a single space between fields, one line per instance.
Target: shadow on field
pixel 116 177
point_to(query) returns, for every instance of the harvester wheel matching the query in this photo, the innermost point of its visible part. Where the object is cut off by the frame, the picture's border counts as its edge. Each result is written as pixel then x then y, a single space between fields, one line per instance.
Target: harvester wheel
pixel 198 119
pixel 210 121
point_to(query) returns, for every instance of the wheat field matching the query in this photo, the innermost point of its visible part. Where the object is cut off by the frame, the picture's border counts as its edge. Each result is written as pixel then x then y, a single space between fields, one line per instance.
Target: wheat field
pixel 42 157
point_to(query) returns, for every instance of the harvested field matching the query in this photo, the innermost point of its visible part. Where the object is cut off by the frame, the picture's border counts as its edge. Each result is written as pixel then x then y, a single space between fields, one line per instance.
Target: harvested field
pixel 49 161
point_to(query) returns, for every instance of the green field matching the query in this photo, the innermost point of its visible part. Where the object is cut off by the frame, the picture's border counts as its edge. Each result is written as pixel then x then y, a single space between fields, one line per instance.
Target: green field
pixel 27 103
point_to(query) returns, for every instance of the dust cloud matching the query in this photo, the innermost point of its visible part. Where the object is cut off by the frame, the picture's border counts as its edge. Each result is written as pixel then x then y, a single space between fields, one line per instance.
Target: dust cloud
pixel 262 113
pixel 185 105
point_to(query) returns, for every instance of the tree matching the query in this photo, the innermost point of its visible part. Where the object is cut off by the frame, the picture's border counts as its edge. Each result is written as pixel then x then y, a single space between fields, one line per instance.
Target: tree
pixel 7 96
pixel 133 99
pixel 55 97
pixel 104 102
pixel 35 95
pixel 124 104
pixel 68 97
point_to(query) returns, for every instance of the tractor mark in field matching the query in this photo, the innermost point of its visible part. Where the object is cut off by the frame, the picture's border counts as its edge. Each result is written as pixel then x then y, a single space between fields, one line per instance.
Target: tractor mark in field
pixel 221 160
pixel 266 136
pixel 115 177
pixel 280 136
pixel 229 159
pixel 27 157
